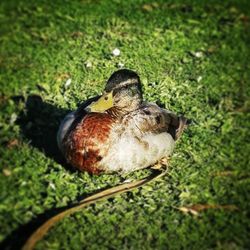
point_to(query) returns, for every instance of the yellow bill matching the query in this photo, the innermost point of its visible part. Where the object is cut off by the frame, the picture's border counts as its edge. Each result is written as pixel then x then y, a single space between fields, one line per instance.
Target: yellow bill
pixel 104 103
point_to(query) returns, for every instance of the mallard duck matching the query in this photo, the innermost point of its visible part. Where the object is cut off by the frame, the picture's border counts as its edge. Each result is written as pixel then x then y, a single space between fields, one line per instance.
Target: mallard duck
pixel 118 131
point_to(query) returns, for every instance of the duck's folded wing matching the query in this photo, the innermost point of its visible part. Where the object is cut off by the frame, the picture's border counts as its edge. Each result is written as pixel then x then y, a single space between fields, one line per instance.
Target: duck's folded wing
pixel 152 118
pixel 71 119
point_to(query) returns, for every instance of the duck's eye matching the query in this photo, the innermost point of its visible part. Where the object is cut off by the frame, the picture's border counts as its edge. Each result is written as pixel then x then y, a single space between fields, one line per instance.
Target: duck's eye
pixel 106 98
pixel 132 91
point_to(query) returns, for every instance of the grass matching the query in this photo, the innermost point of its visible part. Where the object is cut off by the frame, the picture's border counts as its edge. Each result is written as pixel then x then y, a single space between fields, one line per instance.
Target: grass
pixel 192 56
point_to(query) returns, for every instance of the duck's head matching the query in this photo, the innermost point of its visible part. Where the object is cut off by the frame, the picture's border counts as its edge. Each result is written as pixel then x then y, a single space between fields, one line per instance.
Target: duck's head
pixel 123 93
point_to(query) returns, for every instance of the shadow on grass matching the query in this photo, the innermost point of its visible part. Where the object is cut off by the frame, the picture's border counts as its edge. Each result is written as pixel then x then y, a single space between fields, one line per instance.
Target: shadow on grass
pixel 39 124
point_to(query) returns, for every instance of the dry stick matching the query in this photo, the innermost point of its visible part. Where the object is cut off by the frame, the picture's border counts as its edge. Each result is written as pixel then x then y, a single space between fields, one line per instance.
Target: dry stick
pixel 110 192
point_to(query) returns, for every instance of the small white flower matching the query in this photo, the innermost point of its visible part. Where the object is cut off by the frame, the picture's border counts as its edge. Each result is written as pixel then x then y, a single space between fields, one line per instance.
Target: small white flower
pixel 199 78
pixel 198 54
pixel 120 65
pixel 52 185
pixel 116 52
pixel 68 82
pixel 88 64
pixel 13 118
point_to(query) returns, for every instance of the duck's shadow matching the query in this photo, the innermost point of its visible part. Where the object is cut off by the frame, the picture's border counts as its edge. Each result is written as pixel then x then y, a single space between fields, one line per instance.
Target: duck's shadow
pixel 39 124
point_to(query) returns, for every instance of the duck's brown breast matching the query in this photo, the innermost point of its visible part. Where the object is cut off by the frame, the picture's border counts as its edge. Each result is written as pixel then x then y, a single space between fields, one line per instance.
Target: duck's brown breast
pixel 87 143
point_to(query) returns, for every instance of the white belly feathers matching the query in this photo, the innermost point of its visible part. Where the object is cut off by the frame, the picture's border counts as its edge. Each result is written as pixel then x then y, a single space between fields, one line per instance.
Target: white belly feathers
pixel 129 154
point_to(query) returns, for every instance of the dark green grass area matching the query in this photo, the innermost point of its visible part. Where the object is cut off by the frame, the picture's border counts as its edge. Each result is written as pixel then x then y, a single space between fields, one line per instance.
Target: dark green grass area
pixel 192 56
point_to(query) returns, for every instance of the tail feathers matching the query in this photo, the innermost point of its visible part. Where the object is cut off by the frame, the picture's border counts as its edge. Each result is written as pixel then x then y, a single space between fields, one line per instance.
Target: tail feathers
pixel 176 125
pixel 183 123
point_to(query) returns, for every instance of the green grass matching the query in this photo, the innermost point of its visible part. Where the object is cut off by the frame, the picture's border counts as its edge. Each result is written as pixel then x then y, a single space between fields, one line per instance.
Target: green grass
pixel 192 56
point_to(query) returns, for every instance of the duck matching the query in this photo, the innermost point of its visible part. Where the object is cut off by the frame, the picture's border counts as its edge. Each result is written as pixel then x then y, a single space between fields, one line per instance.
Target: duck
pixel 119 132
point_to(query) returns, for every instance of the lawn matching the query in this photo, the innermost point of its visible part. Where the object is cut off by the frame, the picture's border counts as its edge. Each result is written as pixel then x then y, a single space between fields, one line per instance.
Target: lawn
pixel 192 57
